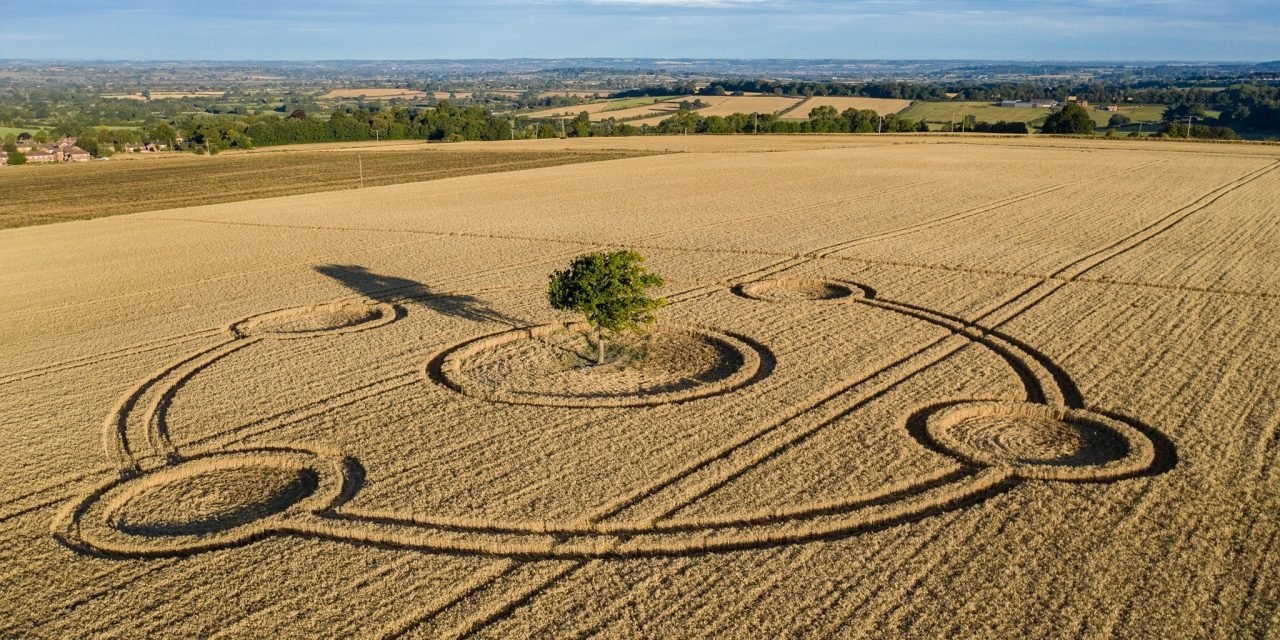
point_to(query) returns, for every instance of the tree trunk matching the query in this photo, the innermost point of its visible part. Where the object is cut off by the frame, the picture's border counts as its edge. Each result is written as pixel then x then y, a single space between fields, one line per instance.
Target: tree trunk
pixel 599 349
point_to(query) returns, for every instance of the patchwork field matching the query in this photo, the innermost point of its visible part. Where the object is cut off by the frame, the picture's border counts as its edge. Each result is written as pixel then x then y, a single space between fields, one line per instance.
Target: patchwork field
pixel 904 387
pixel 882 106
pixel 937 112
pixel 651 111
pixel 376 93
pixel 161 95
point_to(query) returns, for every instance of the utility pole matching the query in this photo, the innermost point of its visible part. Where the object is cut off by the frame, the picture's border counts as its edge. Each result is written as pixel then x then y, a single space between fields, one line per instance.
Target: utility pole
pixel 360 160
pixel 880 129
pixel 377 135
pixel 755 123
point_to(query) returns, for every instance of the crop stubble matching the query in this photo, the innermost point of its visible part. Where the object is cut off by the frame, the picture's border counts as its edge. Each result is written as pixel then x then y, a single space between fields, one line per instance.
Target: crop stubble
pixel 878 312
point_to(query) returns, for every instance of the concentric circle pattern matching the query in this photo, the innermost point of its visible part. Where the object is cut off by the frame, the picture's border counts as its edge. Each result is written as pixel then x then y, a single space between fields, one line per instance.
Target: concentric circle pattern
pixel 1039 441
pixel 551 365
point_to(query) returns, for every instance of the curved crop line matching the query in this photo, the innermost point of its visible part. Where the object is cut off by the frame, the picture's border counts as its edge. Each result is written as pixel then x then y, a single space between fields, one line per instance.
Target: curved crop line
pixel 1033 384
pixel 115 434
pixel 1038 381
pixel 977 486
pixel 634 538
pixel 883 495
pixel 157 425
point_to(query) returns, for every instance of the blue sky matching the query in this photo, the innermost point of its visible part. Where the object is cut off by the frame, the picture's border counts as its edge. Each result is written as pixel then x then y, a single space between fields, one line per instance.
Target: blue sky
pixel 403 29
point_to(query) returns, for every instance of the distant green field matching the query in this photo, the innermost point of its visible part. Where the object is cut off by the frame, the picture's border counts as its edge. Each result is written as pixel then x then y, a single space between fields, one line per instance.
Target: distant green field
pixel 983 111
pixel 627 103
pixel 936 112
pixel 4 131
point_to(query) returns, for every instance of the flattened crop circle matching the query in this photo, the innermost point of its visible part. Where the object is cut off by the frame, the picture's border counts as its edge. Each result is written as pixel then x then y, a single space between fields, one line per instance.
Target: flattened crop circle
pixel 1041 442
pixel 543 366
pixel 801 290
pixel 308 321
pixel 207 502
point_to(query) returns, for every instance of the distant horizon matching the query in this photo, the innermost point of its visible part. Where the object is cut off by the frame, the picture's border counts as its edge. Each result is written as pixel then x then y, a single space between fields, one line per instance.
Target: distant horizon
pixel 239 30
pixel 1063 61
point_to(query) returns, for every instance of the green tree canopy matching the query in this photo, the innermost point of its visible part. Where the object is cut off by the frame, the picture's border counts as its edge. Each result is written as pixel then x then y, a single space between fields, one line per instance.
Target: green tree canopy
pixel 1118 120
pixel 1072 118
pixel 609 290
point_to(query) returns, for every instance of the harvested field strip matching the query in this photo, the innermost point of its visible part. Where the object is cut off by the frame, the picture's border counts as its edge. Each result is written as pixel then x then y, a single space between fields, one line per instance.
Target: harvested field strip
pixel 106 189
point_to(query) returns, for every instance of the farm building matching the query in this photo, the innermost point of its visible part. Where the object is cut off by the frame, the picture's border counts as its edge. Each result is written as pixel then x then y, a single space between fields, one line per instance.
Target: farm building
pixel 1034 103
pixel 62 151
pixel 150 147
pixel 41 154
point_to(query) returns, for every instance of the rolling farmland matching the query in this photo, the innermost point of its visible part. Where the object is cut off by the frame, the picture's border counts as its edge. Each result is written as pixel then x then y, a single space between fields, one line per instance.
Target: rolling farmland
pixel 882 106
pixel 903 387
pixel 375 93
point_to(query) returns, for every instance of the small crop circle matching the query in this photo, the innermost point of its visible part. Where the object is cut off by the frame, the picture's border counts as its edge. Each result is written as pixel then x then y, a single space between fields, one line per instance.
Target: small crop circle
pixel 1039 441
pixel 213 500
pixel 307 321
pixel 551 365
pixel 801 290
pixel 206 502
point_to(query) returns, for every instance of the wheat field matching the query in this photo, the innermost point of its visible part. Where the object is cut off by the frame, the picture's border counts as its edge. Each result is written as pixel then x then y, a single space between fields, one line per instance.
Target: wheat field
pixel 915 387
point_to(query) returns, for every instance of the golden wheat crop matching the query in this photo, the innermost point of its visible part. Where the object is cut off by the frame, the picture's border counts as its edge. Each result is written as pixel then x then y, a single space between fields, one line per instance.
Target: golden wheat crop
pixel 923 387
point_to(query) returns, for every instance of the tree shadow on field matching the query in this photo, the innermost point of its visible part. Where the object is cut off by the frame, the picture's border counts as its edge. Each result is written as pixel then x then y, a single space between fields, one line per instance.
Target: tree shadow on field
pixel 393 289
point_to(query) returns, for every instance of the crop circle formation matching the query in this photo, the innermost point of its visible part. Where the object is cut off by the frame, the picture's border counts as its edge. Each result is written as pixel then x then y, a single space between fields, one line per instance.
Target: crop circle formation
pixel 1041 442
pixel 206 502
pixel 307 321
pixel 544 366
pixel 800 289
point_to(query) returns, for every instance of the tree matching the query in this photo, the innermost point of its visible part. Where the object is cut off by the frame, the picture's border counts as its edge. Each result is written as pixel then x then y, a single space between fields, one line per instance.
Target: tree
pixel 609 290
pixel 164 133
pixel 1072 118
pixel 582 125
pixel 16 158
pixel 1118 120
